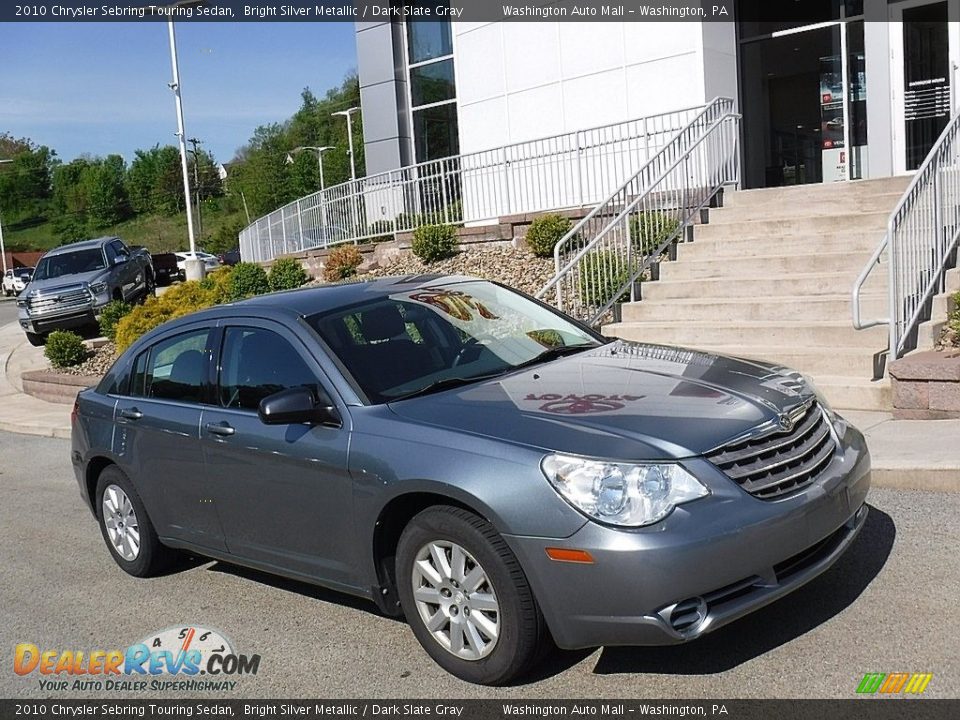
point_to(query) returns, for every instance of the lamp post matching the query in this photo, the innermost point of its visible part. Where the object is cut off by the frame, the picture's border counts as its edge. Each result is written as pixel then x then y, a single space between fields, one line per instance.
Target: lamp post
pixel 194 268
pixel 348 114
pixel 318 150
pixel 3 249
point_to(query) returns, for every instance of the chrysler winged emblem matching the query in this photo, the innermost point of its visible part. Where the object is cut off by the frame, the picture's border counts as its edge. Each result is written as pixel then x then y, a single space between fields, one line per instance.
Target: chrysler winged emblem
pixel 785 422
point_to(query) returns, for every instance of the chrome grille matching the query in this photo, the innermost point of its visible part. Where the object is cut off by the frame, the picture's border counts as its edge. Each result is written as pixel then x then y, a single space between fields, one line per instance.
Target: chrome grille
pixel 59 301
pixel 779 462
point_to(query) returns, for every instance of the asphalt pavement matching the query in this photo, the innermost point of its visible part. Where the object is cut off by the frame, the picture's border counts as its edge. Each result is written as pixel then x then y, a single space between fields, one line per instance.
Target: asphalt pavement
pixel 8 309
pixel 889 605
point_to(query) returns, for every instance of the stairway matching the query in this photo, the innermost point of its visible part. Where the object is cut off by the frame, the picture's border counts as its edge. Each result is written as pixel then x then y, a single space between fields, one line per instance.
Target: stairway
pixel 770 276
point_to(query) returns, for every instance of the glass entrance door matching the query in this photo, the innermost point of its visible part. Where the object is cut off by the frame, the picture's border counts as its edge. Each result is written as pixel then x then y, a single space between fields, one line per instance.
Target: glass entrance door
pixel 925 45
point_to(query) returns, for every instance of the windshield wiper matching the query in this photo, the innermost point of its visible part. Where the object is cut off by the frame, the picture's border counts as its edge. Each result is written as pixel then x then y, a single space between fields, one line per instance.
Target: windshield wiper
pixel 444 384
pixel 554 353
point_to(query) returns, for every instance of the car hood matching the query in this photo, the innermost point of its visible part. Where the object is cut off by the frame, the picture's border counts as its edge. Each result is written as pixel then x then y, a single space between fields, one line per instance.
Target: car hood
pixel 38 287
pixel 623 400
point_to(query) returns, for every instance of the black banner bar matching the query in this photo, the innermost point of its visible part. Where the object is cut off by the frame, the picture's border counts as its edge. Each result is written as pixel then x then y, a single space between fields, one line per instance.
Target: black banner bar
pixel 373 11
pixel 874 708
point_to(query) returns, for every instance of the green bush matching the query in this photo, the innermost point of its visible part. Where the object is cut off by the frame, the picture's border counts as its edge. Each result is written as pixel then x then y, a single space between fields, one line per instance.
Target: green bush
pixel 65 349
pixel 650 228
pixel 342 262
pixel 434 242
pixel 248 279
pixel 601 274
pixel 178 301
pixel 111 314
pixel 545 232
pixel 287 274
pixel 953 320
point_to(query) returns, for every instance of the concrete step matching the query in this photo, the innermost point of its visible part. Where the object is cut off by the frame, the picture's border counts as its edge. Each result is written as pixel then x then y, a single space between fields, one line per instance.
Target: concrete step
pixel 813 193
pixel 799 333
pixel 811 244
pixel 815 225
pixel 836 204
pixel 792 307
pixel 811 283
pixel 747 268
pixel 846 393
pixel 846 361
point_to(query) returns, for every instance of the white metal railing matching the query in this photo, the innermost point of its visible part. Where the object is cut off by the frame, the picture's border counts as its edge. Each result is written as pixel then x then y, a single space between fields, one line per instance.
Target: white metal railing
pixel 600 260
pixel 562 171
pixel 920 244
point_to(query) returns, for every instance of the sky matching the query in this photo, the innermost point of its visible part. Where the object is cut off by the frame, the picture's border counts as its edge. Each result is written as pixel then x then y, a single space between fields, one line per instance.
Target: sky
pixel 101 88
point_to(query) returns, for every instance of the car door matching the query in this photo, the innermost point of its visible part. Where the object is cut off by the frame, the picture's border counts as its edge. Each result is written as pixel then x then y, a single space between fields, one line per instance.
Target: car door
pixel 128 274
pixel 157 435
pixel 283 492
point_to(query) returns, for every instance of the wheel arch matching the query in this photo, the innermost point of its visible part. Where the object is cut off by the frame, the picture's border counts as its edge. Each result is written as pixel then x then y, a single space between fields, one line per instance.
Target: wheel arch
pixel 393 518
pixel 95 467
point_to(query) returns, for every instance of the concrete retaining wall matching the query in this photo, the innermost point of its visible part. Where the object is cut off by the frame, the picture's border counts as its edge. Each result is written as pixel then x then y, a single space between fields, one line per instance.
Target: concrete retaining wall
pixel 56 387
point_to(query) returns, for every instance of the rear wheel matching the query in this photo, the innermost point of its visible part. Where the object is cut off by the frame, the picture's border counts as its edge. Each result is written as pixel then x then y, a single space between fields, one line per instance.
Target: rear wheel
pixel 466 597
pixel 126 527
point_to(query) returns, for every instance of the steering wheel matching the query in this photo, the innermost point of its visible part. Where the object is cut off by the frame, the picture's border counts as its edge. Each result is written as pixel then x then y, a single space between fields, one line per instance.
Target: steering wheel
pixel 470 343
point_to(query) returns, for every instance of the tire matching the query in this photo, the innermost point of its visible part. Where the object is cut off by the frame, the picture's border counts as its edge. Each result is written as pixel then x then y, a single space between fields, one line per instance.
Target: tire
pixel 150 287
pixel 36 340
pixel 150 557
pixel 480 656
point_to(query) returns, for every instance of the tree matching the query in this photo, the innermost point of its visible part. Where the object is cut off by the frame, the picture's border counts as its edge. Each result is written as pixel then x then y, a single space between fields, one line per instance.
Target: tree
pixel 25 182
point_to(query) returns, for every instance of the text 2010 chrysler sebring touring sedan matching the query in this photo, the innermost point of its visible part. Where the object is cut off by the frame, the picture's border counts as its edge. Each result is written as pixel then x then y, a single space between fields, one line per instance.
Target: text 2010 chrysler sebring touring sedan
pixel 462 454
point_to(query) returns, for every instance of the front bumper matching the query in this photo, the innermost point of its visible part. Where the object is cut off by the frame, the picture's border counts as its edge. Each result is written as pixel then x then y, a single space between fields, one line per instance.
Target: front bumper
pixel 708 563
pixel 39 324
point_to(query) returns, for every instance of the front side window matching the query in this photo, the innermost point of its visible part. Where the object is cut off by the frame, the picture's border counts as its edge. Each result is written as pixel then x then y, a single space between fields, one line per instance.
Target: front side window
pixel 177 368
pixel 256 363
pixel 413 341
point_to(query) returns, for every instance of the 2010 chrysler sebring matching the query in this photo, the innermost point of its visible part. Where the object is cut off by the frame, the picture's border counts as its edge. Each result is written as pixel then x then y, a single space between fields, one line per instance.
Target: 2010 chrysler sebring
pixel 461 453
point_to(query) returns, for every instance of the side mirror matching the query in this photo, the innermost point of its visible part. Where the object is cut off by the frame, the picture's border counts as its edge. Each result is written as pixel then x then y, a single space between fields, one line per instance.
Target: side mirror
pixel 120 259
pixel 298 405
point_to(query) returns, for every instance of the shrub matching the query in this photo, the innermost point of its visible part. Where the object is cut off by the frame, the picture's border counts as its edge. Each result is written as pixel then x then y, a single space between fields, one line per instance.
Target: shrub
pixel 65 349
pixel 953 320
pixel 601 274
pixel 111 314
pixel 545 232
pixel 342 262
pixel 248 279
pixel 178 301
pixel 650 228
pixel 287 274
pixel 434 242
pixel 219 284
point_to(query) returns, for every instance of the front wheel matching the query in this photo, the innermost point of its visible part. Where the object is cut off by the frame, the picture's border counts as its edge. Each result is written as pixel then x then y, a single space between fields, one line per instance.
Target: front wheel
pixel 36 340
pixel 466 598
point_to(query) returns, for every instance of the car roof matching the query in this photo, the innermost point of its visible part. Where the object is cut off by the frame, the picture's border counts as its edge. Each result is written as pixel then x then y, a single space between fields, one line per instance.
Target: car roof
pixel 82 245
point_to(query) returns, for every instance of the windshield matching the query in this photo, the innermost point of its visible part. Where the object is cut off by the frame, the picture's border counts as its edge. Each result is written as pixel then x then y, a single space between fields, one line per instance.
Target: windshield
pixel 78 261
pixel 437 337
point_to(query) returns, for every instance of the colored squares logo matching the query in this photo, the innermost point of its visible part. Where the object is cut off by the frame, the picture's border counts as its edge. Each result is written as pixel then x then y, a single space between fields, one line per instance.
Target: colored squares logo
pixel 894 683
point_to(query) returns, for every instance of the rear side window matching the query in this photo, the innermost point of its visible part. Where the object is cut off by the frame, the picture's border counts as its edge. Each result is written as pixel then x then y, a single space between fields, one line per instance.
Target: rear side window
pixel 257 363
pixel 176 368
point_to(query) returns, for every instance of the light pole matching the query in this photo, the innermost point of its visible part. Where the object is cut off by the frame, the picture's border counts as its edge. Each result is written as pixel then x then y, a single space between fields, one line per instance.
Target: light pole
pixel 194 267
pixel 347 114
pixel 3 249
pixel 318 150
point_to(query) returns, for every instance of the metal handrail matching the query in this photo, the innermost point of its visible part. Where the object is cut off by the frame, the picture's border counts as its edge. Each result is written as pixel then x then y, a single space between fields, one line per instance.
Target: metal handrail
pixel 569 170
pixel 601 258
pixel 920 240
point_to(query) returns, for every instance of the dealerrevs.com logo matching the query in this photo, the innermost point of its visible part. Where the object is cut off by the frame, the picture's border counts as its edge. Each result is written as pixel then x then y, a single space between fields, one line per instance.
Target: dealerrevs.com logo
pixel 172 659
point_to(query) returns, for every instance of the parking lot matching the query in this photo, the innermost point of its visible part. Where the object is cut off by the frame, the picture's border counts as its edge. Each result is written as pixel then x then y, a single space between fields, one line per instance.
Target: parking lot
pixel 888 606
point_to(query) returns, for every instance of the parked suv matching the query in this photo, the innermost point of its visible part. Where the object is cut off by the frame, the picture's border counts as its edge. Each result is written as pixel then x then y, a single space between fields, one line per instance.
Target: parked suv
pixel 73 282
pixel 16 279
pixel 470 458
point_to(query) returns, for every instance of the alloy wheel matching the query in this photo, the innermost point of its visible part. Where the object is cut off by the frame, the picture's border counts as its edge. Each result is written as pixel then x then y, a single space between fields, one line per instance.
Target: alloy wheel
pixel 456 600
pixel 120 520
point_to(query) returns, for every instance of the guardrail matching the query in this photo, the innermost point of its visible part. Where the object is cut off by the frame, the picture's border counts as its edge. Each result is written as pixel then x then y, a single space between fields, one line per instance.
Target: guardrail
pixel 599 262
pixel 562 171
pixel 920 244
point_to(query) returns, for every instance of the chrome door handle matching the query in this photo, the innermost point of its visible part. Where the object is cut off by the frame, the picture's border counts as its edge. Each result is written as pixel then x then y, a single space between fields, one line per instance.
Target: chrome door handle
pixel 223 429
pixel 131 414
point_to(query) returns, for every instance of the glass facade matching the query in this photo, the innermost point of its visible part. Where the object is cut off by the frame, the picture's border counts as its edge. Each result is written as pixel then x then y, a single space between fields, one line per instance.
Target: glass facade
pixel 433 91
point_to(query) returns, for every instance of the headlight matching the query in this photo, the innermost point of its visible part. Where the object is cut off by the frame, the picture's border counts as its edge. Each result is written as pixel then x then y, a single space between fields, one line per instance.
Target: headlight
pixel 618 494
pixel 97 288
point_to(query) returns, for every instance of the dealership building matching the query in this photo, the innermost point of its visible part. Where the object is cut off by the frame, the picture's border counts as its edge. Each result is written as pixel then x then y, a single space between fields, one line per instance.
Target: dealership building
pixel 438 89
